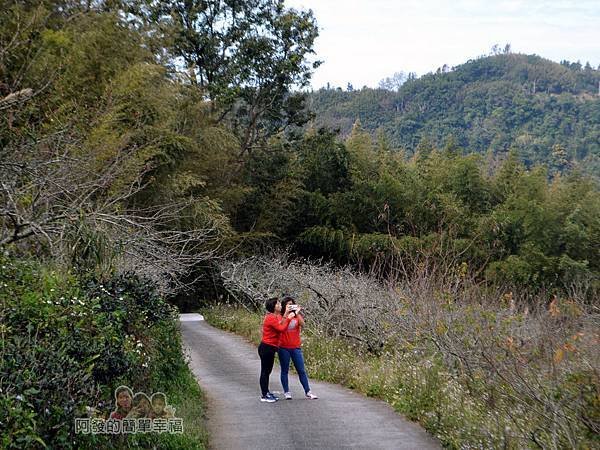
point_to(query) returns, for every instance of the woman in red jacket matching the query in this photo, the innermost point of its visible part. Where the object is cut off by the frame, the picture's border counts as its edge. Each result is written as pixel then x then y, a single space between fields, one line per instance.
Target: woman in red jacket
pixel 273 324
pixel 289 348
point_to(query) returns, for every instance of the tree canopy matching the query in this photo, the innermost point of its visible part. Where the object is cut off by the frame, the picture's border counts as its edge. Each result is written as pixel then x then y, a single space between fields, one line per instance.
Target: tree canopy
pixel 489 105
pixel 180 126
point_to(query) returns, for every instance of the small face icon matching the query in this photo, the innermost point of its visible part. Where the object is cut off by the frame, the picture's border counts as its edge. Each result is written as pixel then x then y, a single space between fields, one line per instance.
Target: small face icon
pixel 158 405
pixel 124 400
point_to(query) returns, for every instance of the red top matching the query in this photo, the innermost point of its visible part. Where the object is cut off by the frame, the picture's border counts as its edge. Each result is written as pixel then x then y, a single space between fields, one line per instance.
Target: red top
pixel 272 328
pixel 290 338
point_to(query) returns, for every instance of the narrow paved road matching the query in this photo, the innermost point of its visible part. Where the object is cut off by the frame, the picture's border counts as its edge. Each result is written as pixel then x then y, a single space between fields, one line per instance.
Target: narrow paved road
pixel 227 368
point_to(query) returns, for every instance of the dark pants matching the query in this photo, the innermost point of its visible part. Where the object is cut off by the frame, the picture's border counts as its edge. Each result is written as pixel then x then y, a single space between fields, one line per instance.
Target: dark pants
pixel 267 358
pixel 295 354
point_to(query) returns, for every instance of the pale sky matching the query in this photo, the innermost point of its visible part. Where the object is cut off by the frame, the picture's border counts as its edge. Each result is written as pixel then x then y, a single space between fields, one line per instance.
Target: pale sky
pixel 363 41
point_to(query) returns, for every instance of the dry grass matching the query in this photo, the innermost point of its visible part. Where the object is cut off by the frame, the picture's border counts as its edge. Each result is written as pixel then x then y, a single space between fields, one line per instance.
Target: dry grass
pixel 478 368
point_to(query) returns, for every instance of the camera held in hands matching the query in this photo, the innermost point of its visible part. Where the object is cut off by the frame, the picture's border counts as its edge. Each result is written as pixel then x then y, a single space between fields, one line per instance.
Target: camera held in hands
pixel 294 308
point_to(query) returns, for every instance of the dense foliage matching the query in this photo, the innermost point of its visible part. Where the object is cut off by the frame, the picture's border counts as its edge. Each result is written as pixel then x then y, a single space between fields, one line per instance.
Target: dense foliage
pixel 548 112
pixel 125 160
pixel 117 167
pixel 152 140
pixel 68 343
pixel 361 203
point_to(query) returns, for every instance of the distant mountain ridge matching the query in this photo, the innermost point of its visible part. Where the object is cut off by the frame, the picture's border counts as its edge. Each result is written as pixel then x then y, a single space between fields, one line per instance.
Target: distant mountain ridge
pixel 488 105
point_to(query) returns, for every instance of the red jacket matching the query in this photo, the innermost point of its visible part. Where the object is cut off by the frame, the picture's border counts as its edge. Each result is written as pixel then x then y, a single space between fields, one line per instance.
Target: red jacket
pixel 273 325
pixel 290 338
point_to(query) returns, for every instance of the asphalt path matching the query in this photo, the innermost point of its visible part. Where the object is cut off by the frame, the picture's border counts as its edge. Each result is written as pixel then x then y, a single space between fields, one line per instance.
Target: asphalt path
pixel 227 368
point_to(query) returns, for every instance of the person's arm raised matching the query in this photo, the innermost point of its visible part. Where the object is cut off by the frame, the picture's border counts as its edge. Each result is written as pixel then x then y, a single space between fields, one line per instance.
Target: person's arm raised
pixel 279 325
pixel 300 317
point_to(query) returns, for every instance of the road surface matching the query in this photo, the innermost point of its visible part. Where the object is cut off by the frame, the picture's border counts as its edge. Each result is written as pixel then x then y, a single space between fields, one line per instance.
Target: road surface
pixel 227 368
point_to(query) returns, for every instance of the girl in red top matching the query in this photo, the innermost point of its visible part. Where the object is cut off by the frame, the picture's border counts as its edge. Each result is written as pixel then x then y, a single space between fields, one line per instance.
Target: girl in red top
pixel 289 348
pixel 273 325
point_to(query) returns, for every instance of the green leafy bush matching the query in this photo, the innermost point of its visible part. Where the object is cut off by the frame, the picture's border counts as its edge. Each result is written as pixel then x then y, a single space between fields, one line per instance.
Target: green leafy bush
pixel 67 344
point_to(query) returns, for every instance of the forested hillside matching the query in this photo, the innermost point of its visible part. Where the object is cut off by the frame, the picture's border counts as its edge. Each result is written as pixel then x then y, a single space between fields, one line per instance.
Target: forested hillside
pixel 548 112
pixel 149 150
pixel 126 146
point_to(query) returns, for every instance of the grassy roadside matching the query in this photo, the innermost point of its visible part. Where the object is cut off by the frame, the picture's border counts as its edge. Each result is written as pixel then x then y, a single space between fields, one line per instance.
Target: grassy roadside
pixel 418 388
pixel 478 367
pixel 185 395
pixel 413 391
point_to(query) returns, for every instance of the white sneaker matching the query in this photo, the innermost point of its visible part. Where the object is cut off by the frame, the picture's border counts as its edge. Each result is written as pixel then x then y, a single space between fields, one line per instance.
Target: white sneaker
pixel 288 395
pixel 311 396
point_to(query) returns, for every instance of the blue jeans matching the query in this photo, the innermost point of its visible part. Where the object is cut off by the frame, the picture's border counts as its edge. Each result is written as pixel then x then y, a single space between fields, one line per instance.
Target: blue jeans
pixel 295 354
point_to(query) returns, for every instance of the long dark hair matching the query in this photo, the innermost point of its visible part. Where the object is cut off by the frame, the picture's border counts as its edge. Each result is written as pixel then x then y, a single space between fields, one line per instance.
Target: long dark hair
pixel 285 301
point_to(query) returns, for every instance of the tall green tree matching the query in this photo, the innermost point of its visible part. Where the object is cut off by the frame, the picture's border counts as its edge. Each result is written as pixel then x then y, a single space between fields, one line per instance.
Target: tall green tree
pixel 246 55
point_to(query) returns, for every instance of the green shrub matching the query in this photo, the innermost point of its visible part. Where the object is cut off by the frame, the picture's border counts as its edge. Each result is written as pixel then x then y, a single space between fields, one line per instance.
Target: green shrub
pixel 67 344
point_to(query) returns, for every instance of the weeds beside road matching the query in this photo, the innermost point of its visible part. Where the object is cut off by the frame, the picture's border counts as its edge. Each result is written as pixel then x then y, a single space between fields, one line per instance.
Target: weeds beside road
pixel 477 369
